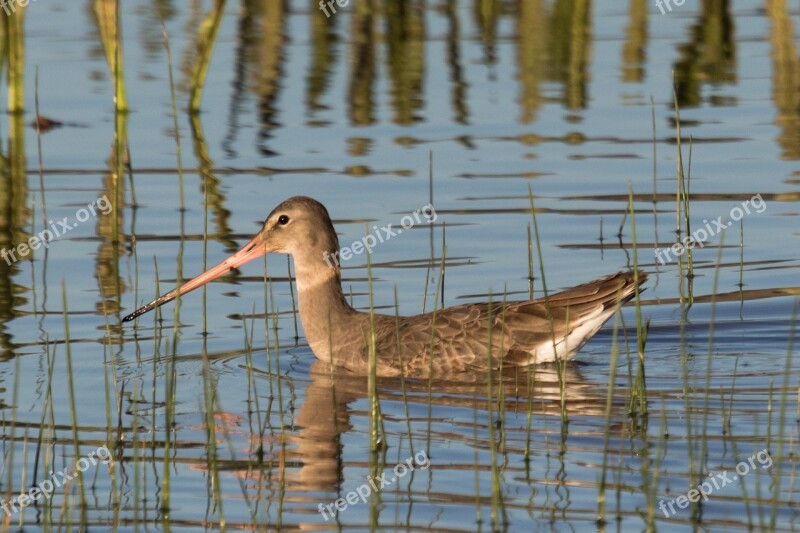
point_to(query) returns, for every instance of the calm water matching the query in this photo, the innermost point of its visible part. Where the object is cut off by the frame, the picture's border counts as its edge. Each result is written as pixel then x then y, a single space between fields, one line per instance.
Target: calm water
pixel 220 418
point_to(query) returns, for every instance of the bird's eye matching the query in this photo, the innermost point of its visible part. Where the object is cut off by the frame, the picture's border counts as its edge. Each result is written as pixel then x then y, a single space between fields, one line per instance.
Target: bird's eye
pixel 283 220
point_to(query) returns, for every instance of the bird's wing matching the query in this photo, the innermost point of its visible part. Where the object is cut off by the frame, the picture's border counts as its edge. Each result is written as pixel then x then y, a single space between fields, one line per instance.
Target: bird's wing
pixel 542 330
pixel 481 336
pixel 460 340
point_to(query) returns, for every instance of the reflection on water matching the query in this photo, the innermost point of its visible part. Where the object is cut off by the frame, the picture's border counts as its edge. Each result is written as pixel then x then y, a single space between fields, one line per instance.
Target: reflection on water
pixel 710 55
pixel 330 402
pixel 359 109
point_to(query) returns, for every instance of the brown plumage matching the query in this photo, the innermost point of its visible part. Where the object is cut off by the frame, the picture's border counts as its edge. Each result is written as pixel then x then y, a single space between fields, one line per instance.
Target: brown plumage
pixel 469 337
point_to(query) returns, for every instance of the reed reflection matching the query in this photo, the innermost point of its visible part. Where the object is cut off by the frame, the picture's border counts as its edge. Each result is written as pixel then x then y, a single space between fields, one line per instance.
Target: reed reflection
pixel 710 54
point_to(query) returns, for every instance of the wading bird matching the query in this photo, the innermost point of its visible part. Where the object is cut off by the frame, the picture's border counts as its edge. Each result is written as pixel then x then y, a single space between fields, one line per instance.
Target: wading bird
pixel 469 337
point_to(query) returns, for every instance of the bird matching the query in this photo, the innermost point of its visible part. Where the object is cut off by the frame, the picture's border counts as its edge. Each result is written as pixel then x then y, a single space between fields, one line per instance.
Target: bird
pixel 472 337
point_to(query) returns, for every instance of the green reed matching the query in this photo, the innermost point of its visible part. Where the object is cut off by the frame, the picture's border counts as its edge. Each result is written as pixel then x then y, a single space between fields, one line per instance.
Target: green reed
pixel 425 288
pixel 560 362
pixel 530 389
pixel 47 425
pixel 137 464
pixel 682 206
pixel 154 400
pixel 741 265
pixel 498 515
pixel 476 437
pixel 403 384
pixel 439 293
pixel 747 501
pixel 266 288
pixel 682 200
pixel 273 313
pixel 10 433
pixel 639 392
pixel 377 435
pixel 210 399
pixel 116 441
pixel 175 125
pixel 377 432
pixel 40 166
pixel 650 481
pixel 490 424
pixel 71 390
pixel 157 333
pixel 779 457
pixel 23 481
pixel 702 469
pixel 213 459
pixel 253 402
pixel 655 173
pixel 530 263
pixel 687 219
pixel 612 374
pixel 279 386
pixel 46 430
pixel 170 368
pixel 170 398
pixel 205 176
pixel 531 375
pixel 291 294
pixel 259 429
pixel 501 398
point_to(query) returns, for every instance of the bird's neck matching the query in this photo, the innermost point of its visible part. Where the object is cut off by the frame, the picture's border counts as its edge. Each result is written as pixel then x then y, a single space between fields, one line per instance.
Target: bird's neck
pixel 324 312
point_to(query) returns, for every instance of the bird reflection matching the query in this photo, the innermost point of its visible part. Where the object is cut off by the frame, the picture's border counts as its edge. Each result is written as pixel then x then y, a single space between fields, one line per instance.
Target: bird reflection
pixel 325 414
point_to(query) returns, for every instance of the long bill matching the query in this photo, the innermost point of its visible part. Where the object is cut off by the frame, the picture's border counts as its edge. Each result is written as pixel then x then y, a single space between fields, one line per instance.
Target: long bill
pixel 252 250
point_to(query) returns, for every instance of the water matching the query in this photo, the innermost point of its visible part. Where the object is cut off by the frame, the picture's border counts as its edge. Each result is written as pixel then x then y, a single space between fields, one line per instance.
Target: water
pixel 464 106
